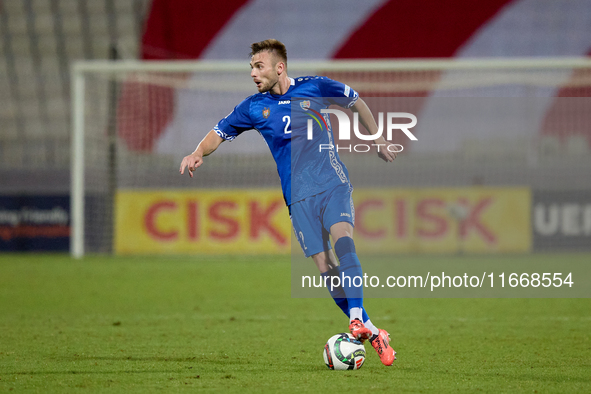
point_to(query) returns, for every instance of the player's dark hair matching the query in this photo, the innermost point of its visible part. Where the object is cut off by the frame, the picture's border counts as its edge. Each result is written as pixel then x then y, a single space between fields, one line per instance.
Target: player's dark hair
pixel 271 45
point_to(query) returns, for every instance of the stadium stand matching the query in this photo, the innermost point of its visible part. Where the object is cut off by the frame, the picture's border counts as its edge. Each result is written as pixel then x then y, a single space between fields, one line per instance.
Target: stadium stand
pixel 40 38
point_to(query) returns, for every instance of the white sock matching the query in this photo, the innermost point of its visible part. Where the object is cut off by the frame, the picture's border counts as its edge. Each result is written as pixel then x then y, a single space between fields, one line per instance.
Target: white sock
pixel 374 329
pixel 356 313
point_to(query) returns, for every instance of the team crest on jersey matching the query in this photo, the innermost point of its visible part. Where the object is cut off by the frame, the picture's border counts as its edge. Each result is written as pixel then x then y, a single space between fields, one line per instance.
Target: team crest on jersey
pixel 266 113
pixel 305 104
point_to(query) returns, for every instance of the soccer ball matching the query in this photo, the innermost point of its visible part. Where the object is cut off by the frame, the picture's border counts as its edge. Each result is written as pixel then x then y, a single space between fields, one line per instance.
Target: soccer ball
pixel 343 351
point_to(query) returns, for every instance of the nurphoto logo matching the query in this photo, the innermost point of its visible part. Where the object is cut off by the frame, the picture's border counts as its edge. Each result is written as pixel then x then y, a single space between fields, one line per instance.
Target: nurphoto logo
pixel 345 130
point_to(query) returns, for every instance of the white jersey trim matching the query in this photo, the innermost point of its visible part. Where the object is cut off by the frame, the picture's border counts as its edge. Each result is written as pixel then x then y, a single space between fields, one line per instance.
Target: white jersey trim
pixel 222 134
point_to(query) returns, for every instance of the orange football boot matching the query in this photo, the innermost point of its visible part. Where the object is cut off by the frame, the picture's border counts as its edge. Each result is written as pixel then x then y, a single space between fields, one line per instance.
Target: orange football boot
pixel 381 343
pixel 359 331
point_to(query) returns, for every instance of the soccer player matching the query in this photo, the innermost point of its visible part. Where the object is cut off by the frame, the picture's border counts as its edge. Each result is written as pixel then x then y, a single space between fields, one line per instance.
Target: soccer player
pixel 315 183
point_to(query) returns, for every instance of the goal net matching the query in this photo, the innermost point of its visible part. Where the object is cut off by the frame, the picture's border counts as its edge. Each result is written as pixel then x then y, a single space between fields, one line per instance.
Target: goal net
pixel 133 122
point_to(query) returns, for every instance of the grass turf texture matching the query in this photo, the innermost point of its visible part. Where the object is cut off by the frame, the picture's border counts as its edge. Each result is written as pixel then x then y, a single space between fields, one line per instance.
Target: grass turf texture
pixel 229 324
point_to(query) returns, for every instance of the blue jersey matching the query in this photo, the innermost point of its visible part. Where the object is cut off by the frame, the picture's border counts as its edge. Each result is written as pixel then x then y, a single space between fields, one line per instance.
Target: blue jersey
pixel 303 168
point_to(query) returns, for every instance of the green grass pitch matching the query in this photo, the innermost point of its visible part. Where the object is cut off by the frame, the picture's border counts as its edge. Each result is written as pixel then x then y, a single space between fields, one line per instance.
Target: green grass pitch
pixel 229 324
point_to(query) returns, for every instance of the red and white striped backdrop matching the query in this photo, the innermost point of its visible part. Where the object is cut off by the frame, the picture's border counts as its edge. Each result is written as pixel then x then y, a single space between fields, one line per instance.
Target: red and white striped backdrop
pixel 338 29
pixel 341 29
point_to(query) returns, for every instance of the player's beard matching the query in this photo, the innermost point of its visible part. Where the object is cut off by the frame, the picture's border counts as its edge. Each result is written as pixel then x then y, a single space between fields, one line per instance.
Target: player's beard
pixel 265 87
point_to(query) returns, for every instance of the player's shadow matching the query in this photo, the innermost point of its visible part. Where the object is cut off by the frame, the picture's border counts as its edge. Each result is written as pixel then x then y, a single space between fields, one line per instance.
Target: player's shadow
pixel 211 360
pixel 132 358
pixel 219 363
pixel 89 372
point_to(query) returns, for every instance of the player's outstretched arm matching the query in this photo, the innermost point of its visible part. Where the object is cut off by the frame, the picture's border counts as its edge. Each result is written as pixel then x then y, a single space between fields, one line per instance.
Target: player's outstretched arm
pixel 367 120
pixel 206 147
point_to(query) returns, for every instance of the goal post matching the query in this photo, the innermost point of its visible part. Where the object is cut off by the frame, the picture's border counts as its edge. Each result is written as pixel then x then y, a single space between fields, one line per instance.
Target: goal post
pixel 164 108
pixel 77 164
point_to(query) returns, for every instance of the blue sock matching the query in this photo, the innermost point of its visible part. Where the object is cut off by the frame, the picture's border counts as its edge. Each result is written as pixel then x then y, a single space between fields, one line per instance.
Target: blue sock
pixel 337 293
pixel 365 317
pixel 350 268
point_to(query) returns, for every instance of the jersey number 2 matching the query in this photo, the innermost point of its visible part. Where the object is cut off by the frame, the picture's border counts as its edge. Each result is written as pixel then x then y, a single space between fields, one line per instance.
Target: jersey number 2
pixel 287 119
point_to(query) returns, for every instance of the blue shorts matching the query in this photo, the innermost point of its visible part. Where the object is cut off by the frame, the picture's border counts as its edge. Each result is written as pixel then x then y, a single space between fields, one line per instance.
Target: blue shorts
pixel 312 217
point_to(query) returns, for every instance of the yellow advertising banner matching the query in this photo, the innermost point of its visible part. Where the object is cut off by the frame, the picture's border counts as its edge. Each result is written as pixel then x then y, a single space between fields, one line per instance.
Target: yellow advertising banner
pixel 443 220
pixel 197 221
pixel 238 221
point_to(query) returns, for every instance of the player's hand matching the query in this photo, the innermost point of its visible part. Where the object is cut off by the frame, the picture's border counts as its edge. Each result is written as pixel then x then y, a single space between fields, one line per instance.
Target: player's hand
pixel 383 152
pixel 191 162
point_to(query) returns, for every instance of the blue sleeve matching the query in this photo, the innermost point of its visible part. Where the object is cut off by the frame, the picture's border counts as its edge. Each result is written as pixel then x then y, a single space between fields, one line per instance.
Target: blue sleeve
pixel 236 122
pixel 343 95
